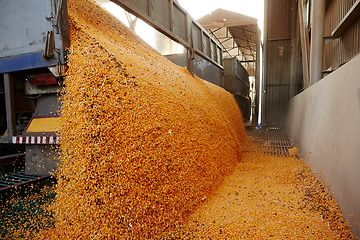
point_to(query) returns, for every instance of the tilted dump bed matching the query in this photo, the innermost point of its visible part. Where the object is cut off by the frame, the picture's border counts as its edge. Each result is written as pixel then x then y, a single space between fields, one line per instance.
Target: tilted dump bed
pixel 34 34
pixel 34 41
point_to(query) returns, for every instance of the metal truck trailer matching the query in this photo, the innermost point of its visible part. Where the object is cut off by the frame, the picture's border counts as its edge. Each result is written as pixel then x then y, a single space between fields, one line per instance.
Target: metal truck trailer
pixel 34 38
pixel 236 81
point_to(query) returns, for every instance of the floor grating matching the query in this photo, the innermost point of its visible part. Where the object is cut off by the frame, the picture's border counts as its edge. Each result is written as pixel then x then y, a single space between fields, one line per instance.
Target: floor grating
pixel 274 142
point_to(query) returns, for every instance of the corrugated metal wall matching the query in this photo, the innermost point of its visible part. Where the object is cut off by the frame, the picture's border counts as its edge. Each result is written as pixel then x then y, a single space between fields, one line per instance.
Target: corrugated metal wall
pixel 278 24
pixel 335 13
pixel 277 60
pixel 277 81
pixel 279 33
pixel 345 48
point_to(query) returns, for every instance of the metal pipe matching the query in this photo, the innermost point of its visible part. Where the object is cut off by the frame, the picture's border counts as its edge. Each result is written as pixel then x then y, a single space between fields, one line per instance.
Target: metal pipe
pixel 9 104
pixel 317 42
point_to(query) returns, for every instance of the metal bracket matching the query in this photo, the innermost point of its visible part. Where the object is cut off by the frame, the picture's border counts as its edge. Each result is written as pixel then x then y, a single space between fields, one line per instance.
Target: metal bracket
pixel 192 53
pixel 329 39
pixel 58 70
pixel 58 9
pixel 50 45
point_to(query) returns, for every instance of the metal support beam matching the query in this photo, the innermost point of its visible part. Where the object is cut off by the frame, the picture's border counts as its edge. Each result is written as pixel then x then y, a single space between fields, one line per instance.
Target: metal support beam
pixel 218 40
pixel 247 40
pixel 294 52
pixel 262 96
pixel 256 106
pixel 245 30
pixel 304 36
pixel 190 56
pixel 10 105
pixel 248 61
pixel 317 42
pixel 190 61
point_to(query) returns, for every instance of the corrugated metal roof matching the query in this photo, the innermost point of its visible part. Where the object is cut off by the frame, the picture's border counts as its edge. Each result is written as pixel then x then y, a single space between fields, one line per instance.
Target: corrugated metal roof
pixel 237 33
pixel 224 18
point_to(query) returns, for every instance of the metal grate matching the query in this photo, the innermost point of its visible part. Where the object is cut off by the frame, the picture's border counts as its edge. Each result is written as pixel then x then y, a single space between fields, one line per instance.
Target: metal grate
pixel 23 200
pixel 16 179
pixel 28 213
pixel 11 159
pixel 273 142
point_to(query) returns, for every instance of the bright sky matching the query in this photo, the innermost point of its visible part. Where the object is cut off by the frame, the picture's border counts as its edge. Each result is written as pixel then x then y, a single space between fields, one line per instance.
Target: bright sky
pixel 197 9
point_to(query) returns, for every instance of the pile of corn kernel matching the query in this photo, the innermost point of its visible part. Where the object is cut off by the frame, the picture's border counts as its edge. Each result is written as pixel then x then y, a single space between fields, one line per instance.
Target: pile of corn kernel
pixel 268 197
pixel 150 152
pixel 142 141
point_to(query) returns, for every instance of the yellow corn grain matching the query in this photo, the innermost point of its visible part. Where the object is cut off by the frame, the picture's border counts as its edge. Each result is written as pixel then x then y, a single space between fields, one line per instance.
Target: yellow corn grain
pixel 142 141
pixel 144 145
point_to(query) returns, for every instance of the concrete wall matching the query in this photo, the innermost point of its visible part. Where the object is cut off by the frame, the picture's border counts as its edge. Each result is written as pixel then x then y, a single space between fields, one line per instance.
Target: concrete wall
pixel 324 122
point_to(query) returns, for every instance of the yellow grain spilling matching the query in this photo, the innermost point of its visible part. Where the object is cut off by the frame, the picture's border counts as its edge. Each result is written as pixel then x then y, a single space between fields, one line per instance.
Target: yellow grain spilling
pixel 145 148
pixel 293 151
pixel 142 141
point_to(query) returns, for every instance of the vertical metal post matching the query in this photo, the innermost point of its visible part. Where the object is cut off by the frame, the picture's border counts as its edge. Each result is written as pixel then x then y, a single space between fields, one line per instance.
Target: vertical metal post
pixel 257 75
pixel 190 51
pixel 10 105
pixel 171 15
pixel 293 59
pixel 304 41
pixel 262 96
pixel 190 60
pixel 317 42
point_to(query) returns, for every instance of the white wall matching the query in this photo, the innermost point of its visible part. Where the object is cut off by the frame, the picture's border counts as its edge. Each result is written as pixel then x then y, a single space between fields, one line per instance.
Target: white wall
pixel 324 122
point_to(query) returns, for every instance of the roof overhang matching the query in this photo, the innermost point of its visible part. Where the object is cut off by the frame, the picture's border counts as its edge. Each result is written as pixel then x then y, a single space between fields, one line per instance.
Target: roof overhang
pixel 237 33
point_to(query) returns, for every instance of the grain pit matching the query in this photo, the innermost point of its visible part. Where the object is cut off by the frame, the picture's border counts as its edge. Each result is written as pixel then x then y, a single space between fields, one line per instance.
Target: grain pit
pixel 145 145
